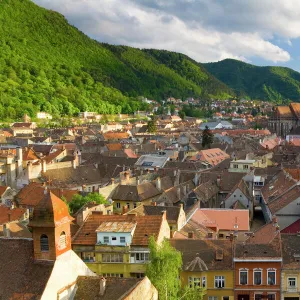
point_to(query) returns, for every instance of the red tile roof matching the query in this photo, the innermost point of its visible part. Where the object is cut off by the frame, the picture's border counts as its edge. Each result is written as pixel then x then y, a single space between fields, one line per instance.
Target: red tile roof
pixel 31 194
pixel 223 219
pixel 9 215
pixel 295 107
pixel 3 190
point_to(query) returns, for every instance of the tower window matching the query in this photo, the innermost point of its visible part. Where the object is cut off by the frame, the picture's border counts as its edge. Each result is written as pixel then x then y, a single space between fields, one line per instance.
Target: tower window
pixel 62 240
pixel 44 243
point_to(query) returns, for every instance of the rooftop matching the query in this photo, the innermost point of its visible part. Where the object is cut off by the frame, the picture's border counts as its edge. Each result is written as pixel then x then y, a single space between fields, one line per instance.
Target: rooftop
pixel 116 227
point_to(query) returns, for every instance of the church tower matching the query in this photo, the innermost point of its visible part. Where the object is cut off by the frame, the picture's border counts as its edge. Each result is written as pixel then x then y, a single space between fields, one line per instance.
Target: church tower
pixel 50 228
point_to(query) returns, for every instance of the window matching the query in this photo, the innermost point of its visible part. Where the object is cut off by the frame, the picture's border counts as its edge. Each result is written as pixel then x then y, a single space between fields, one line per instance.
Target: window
pixel 44 243
pixel 210 235
pixel 225 297
pixel 291 282
pixel 116 257
pixel 221 235
pixel 62 240
pixel 243 277
pixel 235 166
pixel 271 297
pixel 128 205
pixel 245 167
pixel 118 205
pixel 271 277
pixel 258 297
pixel 204 282
pixel 122 239
pixel 219 281
pixel 113 238
pixel 194 282
pixel 212 298
pixel 140 257
pixel 106 239
pixel 134 204
pixel 257 277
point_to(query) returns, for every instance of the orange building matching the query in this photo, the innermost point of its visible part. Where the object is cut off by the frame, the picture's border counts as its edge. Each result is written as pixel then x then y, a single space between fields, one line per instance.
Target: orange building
pixel 257 269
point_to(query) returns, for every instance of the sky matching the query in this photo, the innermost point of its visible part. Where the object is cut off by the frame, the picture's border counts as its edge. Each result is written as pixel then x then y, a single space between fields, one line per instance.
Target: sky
pixel 261 32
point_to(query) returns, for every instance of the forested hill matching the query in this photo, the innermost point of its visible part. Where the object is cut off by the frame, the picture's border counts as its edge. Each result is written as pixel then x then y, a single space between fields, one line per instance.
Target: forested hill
pixel 47 64
pixel 267 83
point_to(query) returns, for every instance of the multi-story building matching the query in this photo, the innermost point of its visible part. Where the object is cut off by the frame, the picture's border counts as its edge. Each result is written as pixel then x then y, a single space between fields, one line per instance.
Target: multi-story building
pixel 207 264
pixel 258 270
pixel 117 245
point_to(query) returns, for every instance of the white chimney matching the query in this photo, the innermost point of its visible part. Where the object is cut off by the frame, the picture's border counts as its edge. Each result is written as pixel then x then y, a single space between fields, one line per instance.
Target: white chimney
pixel 6 230
pixel 158 183
pixel 102 286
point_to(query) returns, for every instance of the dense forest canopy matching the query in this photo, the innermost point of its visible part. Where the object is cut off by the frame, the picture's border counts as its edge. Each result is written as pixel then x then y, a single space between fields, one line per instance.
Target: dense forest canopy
pixel 267 83
pixel 48 65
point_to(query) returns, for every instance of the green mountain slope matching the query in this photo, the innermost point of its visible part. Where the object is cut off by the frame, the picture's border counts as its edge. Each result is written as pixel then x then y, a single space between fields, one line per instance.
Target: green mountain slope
pixel 47 64
pixel 266 83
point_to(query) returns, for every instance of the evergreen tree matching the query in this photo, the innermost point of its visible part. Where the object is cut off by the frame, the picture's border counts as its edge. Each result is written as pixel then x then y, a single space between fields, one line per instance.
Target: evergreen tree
pixel 164 268
pixel 151 126
pixel 207 137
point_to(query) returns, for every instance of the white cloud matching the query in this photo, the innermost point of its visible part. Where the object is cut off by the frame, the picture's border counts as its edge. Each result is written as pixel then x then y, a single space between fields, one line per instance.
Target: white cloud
pixel 176 26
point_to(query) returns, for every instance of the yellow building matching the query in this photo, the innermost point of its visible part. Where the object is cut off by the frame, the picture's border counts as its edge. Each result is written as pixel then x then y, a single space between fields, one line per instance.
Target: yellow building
pixel 207 264
pixel 290 273
pixel 127 197
pixel 117 245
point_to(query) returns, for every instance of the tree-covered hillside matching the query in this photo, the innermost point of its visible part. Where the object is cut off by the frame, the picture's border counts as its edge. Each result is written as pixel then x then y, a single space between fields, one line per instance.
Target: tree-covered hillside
pixel 266 83
pixel 47 64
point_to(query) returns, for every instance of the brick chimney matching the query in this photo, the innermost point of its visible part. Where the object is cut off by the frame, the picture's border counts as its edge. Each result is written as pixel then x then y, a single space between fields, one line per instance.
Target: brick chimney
pixel 102 286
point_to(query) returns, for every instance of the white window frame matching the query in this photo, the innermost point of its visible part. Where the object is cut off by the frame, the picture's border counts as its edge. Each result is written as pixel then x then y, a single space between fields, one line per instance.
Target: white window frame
pixel 269 271
pixel 288 279
pixel 219 279
pixel 261 277
pixel 105 238
pixel 243 270
pixel 122 239
pixel 118 205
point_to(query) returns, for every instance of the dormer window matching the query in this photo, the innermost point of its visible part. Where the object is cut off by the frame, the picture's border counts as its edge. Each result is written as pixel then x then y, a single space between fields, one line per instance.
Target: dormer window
pixel 62 240
pixel 44 243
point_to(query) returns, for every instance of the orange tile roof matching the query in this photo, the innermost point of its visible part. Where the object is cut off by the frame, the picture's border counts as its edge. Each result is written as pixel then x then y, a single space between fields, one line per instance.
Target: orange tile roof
pixel 223 219
pixel 9 215
pixel 130 153
pixel 213 156
pixel 50 212
pixel 29 154
pixel 295 173
pixel 146 227
pixel 284 111
pixel 115 135
pixel 116 146
pixel 295 107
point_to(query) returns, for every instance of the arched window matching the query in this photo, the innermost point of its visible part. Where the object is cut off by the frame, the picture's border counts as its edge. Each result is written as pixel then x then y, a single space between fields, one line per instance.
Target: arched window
pixel 62 240
pixel 44 243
